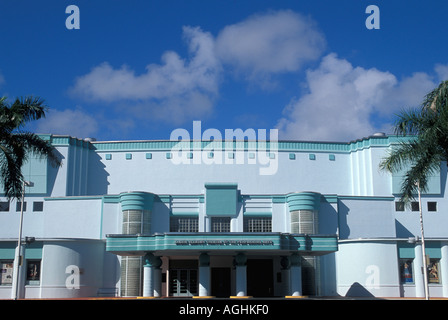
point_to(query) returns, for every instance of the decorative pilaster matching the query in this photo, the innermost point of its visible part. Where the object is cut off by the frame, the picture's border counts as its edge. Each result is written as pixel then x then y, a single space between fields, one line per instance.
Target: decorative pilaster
pixel 285 270
pixel 152 283
pixel 204 275
pixel 296 275
pixel 241 275
pixel 444 268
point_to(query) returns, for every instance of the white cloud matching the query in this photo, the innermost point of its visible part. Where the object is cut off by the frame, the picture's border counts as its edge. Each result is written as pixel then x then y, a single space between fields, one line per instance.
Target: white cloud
pixel 75 123
pixel 341 101
pixel 162 86
pixel 265 44
pixel 178 90
pixel 442 71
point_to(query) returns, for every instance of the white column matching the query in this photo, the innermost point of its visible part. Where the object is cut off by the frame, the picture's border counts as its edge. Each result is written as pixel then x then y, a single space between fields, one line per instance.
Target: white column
pixel 17 283
pixel 204 275
pixel 157 277
pixel 296 275
pixel 148 275
pixel 152 286
pixel 444 268
pixel 241 275
pixel 418 270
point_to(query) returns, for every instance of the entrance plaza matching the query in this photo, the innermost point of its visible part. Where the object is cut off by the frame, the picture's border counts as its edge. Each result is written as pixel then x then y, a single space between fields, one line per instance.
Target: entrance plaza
pixel 223 265
pixel 240 219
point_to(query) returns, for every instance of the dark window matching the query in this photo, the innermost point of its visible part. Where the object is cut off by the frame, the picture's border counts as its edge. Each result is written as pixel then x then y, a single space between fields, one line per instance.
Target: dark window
pixel 38 206
pixel 399 206
pixel 415 206
pixel 19 206
pixel 432 206
pixel 221 224
pixel 184 224
pixel 257 224
pixel 33 271
pixel 4 205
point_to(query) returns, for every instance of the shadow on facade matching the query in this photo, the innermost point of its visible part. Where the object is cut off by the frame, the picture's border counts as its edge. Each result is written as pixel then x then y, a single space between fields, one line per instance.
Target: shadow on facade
pixel 53 172
pixel 98 183
pixel 357 290
pixel 344 229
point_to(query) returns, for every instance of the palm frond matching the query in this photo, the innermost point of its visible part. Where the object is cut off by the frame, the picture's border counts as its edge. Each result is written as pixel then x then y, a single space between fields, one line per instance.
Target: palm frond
pixel 10 171
pixel 37 146
pixel 27 109
pixel 16 145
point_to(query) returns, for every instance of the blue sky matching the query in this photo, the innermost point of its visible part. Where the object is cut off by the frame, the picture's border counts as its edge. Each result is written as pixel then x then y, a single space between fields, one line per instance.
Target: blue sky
pixel 137 70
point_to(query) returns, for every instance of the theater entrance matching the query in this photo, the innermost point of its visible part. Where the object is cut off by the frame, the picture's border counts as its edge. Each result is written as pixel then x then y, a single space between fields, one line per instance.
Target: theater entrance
pixel 221 282
pixel 260 282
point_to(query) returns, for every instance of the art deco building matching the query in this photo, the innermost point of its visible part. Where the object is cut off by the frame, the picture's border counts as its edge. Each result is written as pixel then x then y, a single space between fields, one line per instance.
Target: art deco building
pixel 223 219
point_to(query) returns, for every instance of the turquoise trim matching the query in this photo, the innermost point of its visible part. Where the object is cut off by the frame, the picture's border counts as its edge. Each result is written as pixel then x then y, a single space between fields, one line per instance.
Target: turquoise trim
pixel 257 214
pixel 406 251
pixel 136 201
pixel 81 198
pixel 184 214
pixel 282 146
pixel 221 199
pixel 330 198
pixel 278 199
pixel 303 201
pixel 272 242
pixel 375 198
pixel 32 251
pixel 7 250
pixel 432 249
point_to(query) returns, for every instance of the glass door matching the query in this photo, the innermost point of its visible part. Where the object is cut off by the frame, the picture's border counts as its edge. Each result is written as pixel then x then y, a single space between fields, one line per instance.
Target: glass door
pixel 184 282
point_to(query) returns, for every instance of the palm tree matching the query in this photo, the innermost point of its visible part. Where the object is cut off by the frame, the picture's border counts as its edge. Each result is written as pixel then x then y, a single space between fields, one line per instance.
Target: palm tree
pixel 17 145
pixel 427 146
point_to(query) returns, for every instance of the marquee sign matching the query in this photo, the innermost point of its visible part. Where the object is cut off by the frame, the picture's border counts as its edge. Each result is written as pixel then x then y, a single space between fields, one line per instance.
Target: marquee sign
pixel 225 242
pixel 139 244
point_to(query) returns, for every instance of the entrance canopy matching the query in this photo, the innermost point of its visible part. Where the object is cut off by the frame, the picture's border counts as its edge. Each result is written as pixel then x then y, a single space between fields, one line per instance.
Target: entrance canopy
pixel 226 243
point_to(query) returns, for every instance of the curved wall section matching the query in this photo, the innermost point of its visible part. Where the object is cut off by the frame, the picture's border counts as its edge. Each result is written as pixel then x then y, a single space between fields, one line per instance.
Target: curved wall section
pixel 304 207
pixel 136 207
pixel 303 201
pixel 136 200
pixel 73 268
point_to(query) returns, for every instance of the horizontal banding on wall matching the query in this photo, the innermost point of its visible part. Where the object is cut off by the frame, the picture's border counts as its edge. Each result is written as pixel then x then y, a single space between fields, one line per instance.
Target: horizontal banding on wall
pixel 303 201
pixel 137 200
